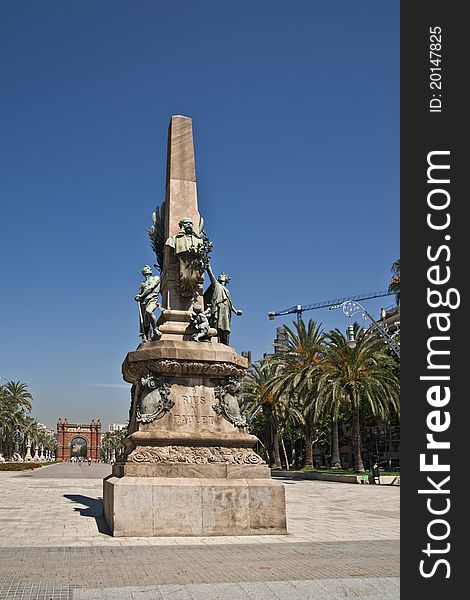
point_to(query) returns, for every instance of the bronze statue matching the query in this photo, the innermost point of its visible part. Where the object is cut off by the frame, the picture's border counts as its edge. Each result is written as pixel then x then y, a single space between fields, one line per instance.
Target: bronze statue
pixel 200 322
pixel 147 299
pixel 188 247
pixel 218 297
pixel 186 240
pixel 191 250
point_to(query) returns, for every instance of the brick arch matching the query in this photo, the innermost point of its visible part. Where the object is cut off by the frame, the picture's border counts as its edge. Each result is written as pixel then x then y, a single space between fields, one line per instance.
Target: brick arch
pixel 77 436
pixel 66 432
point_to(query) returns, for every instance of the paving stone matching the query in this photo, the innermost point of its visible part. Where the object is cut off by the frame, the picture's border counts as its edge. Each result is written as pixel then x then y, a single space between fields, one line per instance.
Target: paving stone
pixel 54 544
pixel 291 590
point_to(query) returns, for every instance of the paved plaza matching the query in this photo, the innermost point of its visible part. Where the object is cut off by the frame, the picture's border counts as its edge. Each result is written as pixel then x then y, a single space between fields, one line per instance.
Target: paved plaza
pixel 343 542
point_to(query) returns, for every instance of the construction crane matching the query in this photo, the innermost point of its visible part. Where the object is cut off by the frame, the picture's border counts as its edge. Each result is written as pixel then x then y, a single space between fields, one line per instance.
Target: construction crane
pixel 300 308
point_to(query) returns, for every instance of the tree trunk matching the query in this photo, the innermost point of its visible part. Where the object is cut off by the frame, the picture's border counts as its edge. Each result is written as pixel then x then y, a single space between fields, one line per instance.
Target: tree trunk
pixel 10 447
pixel 356 438
pixel 308 442
pixel 285 454
pixel 335 459
pixel 277 454
pixel 269 434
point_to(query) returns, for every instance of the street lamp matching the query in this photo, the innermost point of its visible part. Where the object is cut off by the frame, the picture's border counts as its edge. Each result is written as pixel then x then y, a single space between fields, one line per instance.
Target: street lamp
pixel 350 308
pixel 351 339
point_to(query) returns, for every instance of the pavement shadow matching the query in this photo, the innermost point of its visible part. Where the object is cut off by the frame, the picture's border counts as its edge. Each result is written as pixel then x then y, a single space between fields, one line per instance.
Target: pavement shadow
pixel 94 508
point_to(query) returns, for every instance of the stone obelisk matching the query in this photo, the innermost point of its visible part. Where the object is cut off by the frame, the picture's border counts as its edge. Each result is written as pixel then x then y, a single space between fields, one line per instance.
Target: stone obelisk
pixel 180 201
pixel 189 466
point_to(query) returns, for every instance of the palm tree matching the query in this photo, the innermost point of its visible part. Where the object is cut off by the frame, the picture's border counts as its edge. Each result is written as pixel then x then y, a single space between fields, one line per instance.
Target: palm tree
pixel 288 411
pixel 355 377
pixel 394 285
pixel 16 394
pixel 50 442
pixel 4 413
pixel 15 403
pixel 112 444
pixel 38 435
pixel 297 371
pixel 106 448
pixel 31 430
pixel 335 457
pixel 255 394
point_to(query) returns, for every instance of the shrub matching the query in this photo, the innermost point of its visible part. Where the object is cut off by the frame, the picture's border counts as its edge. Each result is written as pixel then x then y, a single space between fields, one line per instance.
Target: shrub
pixel 19 466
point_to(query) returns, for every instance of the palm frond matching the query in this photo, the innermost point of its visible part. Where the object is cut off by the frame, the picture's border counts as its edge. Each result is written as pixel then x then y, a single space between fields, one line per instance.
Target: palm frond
pixel 156 234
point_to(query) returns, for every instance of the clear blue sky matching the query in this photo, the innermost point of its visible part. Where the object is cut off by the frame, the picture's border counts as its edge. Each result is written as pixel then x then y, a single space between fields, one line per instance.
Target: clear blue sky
pixel 295 108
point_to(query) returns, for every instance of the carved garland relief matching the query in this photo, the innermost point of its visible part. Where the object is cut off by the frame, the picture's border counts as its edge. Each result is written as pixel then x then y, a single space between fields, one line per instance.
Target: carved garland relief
pixel 194 455
pixel 182 368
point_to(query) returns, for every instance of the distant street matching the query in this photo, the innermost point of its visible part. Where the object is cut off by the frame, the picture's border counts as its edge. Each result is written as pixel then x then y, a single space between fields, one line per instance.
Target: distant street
pixel 68 470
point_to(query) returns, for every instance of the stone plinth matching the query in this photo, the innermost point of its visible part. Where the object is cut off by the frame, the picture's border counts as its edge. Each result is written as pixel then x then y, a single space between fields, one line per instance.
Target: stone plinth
pixel 176 506
pixel 190 471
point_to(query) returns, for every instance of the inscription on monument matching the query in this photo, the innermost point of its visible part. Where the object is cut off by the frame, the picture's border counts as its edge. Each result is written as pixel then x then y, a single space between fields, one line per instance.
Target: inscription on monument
pixel 192 418
pixel 193 400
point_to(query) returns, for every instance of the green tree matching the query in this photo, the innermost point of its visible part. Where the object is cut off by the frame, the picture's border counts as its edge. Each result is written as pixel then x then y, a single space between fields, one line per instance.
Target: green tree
pixel 50 441
pixel 32 431
pixel 355 377
pixel 335 458
pixel 288 410
pixel 255 395
pixel 106 447
pixel 112 443
pixel 296 375
pixel 16 394
pixel 15 404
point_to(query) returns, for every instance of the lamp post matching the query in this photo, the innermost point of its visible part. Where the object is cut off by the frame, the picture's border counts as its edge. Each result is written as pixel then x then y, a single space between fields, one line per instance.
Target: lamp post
pixel 350 308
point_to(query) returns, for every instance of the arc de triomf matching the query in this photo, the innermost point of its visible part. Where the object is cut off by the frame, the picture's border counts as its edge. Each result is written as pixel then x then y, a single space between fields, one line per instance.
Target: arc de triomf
pixel 66 432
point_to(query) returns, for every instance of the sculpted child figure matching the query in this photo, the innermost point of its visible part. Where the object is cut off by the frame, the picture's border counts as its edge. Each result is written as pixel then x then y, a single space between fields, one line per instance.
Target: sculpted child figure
pixel 200 322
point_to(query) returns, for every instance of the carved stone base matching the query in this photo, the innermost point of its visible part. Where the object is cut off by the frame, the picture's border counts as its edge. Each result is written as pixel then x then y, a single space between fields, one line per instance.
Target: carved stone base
pixel 183 358
pixel 189 467
pixel 190 461
pixel 191 470
pixel 186 506
pixel 196 455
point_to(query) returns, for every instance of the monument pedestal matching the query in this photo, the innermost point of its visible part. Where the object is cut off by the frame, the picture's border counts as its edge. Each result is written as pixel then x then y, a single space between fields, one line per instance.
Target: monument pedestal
pixel 191 471
pixel 193 506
